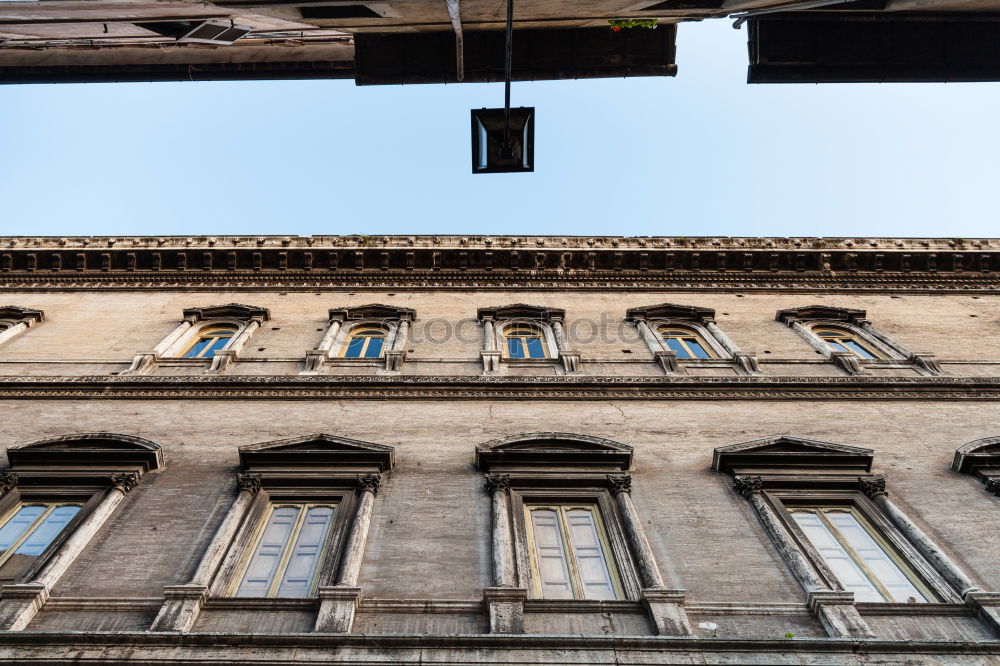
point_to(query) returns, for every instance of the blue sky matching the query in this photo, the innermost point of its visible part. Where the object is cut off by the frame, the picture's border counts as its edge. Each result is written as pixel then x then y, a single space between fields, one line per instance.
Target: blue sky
pixel 700 154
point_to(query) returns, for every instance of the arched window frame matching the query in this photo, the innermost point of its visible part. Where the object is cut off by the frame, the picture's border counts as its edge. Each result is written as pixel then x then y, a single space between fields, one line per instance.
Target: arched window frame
pixel 93 470
pixel 15 320
pixel 701 322
pixel 807 320
pixel 506 329
pixel 549 321
pixel 196 333
pixel 558 469
pixel 780 473
pixel 244 318
pixel 317 468
pixel 343 322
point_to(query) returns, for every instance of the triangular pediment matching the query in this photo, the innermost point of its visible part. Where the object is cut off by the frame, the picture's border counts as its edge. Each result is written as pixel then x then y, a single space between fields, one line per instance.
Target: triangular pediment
pixel 89 448
pixel 789 451
pixel 319 448
pixel 672 311
pixel 372 311
pixel 977 455
pixel 521 311
pixel 228 311
pixel 819 313
pixel 553 449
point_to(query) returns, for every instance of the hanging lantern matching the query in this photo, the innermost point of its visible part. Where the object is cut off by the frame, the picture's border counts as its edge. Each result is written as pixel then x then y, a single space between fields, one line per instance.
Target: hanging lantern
pixel 500 146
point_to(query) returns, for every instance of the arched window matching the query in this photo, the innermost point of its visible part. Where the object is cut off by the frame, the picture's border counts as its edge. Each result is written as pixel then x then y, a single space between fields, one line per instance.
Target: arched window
pixel 524 341
pixel 365 342
pixel 210 340
pixel 685 342
pixel 842 340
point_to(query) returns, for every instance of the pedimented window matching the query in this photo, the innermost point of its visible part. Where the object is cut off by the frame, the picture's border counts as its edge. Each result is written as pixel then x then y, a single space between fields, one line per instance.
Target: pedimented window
pixel 297 529
pixel 56 495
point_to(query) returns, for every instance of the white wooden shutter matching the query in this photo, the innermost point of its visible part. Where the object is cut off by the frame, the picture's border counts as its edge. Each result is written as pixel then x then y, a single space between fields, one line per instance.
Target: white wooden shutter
pixel 306 553
pixel 267 556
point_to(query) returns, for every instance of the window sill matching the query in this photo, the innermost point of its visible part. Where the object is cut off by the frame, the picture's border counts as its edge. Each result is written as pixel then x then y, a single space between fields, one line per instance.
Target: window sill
pixel 528 362
pixel 582 605
pixel 184 361
pixel 927 608
pixel 356 362
pixel 261 603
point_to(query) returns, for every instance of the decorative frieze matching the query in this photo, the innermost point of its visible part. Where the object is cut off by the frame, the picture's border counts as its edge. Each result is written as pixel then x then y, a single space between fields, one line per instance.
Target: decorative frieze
pixel 703 263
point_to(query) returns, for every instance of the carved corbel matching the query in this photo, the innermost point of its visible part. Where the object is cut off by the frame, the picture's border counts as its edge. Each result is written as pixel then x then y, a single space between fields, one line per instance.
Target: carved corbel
pixel 836 611
pixel 8 481
pixel 125 481
pixel 620 483
pixel 222 360
pixel 315 360
pixel 872 487
pixel 369 482
pixel 570 361
pixel 394 360
pixel 337 607
pixel 668 361
pixel 666 611
pixel 993 485
pixel 748 485
pixel 495 482
pixel 848 361
pixel 746 362
pixel 926 362
pixel 491 362
pixel 142 364
pixel 505 606
pixel 249 482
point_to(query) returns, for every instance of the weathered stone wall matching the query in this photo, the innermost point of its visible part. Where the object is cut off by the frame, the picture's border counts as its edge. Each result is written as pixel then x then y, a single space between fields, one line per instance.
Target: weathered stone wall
pixel 430 535
pixel 100 332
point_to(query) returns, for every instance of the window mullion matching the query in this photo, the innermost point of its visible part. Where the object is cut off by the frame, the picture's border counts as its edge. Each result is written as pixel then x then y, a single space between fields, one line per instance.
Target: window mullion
pixel 574 572
pixel 286 553
pixel 858 560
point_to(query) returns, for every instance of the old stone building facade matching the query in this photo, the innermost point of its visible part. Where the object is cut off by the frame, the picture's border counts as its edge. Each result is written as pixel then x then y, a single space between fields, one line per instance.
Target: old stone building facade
pixel 499 450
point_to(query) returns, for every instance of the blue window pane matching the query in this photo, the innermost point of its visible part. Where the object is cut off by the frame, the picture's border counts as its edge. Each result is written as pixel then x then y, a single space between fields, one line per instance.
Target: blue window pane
pixel 354 347
pixel 47 531
pixel 18 525
pixel 856 348
pixel 197 349
pixel 514 348
pixel 675 345
pixel 214 346
pixel 535 349
pixel 697 349
pixel 374 347
pixel 836 346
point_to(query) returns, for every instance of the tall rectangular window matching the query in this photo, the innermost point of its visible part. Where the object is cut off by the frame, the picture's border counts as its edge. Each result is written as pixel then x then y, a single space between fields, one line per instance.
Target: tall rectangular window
pixel 289 551
pixel 570 556
pixel 28 531
pixel 858 556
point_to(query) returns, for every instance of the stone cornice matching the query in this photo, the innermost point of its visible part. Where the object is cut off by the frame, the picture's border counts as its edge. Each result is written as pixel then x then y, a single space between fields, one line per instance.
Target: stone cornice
pixel 221 648
pixel 273 262
pixel 381 387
